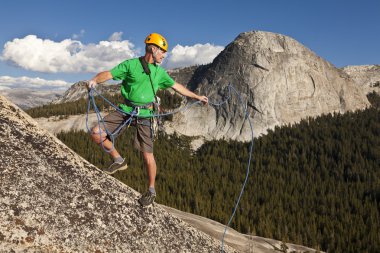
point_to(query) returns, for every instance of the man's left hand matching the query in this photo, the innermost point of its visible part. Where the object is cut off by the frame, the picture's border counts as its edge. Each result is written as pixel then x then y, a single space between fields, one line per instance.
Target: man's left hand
pixel 203 99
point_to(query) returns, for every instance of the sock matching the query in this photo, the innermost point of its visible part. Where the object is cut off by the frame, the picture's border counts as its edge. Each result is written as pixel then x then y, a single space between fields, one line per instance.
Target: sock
pixel 118 160
pixel 152 190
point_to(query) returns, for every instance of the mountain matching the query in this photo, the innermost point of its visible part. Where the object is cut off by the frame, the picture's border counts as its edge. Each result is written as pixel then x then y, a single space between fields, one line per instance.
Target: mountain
pixel 52 200
pixel 183 75
pixel 79 90
pixel 27 98
pixel 275 74
pixel 367 77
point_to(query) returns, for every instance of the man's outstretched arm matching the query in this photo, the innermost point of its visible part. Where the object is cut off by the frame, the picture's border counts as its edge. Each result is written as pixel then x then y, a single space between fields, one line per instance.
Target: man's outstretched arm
pixel 186 92
pixel 99 78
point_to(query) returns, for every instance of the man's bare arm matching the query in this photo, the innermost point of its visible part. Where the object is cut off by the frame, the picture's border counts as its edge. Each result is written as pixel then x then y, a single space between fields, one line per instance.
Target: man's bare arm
pixel 99 78
pixel 186 92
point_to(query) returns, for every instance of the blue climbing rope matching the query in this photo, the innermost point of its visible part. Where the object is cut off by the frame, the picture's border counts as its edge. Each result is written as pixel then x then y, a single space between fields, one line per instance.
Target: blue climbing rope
pixel 247 171
pixel 91 100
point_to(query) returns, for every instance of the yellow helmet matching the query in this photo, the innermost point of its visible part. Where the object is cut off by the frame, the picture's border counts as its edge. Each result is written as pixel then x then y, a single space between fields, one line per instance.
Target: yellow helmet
pixel 158 40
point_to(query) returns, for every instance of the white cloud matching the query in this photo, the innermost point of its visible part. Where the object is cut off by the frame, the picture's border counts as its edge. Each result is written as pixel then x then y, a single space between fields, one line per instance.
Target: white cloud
pixel 36 83
pixel 44 55
pixel 116 36
pixel 72 56
pixel 182 56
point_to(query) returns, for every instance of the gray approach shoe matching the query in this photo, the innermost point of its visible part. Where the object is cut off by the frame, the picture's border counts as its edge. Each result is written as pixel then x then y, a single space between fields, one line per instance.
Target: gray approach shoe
pixel 147 198
pixel 116 166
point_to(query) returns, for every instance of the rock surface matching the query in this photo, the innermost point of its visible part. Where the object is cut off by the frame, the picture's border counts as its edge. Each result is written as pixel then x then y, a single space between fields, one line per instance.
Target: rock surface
pixel 241 242
pixel 367 77
pixel 183 75
pixel 79 90
pixel 52 200
pixel 27 97
pixel 274 73
pixel 73 122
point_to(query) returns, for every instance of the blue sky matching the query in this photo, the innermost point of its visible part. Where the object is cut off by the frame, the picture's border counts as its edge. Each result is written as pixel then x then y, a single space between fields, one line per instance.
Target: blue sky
pixel 52 44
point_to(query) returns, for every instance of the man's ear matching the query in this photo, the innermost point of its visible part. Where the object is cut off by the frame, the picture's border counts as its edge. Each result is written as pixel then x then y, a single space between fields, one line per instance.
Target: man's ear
pixel 154 49
pixel 149 49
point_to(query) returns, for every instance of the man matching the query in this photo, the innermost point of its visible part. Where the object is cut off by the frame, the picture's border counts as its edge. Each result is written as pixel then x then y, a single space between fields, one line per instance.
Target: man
pixel 138 89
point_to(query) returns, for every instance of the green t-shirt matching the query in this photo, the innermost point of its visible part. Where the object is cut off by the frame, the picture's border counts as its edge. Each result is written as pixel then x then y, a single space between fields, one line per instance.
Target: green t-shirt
pixel 136 86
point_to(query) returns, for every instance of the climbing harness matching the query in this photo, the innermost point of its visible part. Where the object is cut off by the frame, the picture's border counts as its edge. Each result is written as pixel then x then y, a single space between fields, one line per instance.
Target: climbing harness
pixel 134 115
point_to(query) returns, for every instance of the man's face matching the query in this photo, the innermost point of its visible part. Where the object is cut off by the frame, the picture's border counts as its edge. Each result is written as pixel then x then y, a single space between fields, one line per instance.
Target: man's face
pixel 160 54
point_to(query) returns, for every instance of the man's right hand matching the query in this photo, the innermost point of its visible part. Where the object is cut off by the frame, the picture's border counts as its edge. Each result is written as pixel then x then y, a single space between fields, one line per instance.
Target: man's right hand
pixel 99 78
pixel 91 84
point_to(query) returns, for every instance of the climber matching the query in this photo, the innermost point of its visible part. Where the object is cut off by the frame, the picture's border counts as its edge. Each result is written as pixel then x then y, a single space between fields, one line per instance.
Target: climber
pixel 141 78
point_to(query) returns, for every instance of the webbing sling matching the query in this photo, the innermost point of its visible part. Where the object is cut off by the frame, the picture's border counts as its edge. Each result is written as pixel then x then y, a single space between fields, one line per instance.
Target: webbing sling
pixel 144 64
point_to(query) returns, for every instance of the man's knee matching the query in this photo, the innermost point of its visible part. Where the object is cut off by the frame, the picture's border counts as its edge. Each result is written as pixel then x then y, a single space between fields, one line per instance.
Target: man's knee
pixel 98 134
pixel 148 157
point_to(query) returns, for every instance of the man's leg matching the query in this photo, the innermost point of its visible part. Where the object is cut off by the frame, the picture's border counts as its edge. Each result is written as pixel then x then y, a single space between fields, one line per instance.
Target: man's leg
pixel 148 197
pixel 113 122
pixel 144 143
pixel 99 138
pixel 151 166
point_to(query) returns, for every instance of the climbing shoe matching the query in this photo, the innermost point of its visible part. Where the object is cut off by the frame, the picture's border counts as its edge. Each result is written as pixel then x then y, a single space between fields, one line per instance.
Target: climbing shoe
pixel 147 198
pixel 116 166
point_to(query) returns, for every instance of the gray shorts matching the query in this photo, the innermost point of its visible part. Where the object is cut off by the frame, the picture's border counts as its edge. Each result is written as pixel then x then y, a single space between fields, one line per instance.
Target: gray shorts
pixel 143 138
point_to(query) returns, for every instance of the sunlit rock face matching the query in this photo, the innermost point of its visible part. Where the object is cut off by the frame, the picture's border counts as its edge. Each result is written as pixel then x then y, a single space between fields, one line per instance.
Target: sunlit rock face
pixel 274 73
